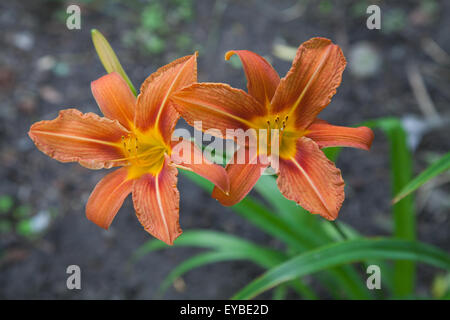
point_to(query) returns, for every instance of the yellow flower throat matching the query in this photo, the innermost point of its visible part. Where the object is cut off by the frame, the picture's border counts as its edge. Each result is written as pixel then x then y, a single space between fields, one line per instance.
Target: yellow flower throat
pixel 144 152
pixel 279 127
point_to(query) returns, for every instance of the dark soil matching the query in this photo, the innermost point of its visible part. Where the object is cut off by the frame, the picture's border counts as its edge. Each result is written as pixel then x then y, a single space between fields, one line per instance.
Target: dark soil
pixel 35 267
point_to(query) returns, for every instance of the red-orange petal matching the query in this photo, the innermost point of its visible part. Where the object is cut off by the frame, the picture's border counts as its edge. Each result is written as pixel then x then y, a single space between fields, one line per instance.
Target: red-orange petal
pixel 262 79
pixel 114 98
pixel 107 197
pixel 307 89
pixel 311 180
pixel 156 201
pixel 153 105
pixel 243 176
pixel 327 135
pixel 188 155
pixel 92 141
pixel 217 106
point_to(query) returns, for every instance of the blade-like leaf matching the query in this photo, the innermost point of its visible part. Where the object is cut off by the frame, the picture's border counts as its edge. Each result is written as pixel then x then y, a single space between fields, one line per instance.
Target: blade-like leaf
pixel 332 153
pixel 257 214
pixel 280 292
pixel 343 253
pixel 404 216
pixel 291 213
pixel 198 261
pixel 108 57
pixel 442 165
pixel 312 231
pixel 228 248
pixel 221 256
pixel 217 241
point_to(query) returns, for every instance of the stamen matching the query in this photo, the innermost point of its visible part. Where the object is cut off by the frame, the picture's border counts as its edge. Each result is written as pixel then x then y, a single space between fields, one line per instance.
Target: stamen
pixel 285 122
pixel 147 154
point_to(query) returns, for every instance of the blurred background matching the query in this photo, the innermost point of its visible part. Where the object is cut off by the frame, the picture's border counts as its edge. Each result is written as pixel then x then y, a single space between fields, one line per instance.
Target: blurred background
pixel 401 70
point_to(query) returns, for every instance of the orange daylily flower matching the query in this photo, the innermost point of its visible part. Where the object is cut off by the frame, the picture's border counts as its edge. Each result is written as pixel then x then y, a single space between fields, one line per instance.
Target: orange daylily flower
pixel 290 105
pixel 135 134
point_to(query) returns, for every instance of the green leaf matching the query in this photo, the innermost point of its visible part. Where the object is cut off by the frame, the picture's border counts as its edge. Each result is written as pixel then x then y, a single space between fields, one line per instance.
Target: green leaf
pixel 404 215
pixel 442 165
pixel 219 256
pixel 217 241
pixel 108 57
pixel 227 247
pixel 198 261
pixel 340 231
pixel 441 286
pixel 274 225
pixel 332 153
pixel 280 292
pixel 291 213
pixel 343 253
pixel 313 231
pixel 257 214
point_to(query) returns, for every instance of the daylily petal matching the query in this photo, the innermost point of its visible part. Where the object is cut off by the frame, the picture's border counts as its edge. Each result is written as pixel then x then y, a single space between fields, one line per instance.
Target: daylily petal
pixel 327 135
pixel 243 176
pixel 188 155
pixel 156 201
pixel 307 89
pixel 153 104
pixel 107 197
pixel 114 98
pixel 217 106
pixel 262 79
pixel 311 180
pixel 92 141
